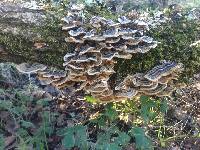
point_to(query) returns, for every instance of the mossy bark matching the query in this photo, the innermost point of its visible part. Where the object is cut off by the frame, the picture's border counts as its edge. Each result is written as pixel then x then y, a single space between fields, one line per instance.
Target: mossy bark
pixel 23 31
pixel 30 35
pixel 174 40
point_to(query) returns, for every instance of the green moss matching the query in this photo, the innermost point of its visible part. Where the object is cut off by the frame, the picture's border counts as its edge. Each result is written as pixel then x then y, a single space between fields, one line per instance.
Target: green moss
pixel 50 33
pixel 96 10
pixel 175 40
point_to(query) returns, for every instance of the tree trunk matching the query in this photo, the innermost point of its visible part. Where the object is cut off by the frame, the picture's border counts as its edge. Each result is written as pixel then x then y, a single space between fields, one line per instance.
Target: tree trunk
pixel 29 33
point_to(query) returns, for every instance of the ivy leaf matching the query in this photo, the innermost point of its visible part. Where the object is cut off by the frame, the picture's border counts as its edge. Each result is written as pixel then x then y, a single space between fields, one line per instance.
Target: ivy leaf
pixel 103 138
pixel 74 136
pixel 141 140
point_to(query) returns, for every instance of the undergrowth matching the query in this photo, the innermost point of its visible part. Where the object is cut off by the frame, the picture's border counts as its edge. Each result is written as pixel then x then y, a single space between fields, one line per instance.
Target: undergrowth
pixel 27 122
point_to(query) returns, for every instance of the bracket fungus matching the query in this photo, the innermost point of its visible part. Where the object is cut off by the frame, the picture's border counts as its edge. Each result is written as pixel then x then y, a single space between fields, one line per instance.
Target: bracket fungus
pixel 99 42
pixel 30 68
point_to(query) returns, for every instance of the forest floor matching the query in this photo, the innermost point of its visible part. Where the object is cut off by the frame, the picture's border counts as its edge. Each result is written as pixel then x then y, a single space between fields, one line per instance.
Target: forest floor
pixel 31 118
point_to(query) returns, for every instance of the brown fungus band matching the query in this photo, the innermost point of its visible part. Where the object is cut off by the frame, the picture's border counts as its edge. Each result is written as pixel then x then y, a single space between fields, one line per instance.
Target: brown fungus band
pixel 99 42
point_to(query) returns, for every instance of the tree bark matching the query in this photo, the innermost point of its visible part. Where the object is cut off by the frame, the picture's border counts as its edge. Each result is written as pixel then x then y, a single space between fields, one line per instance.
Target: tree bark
pixel 30 33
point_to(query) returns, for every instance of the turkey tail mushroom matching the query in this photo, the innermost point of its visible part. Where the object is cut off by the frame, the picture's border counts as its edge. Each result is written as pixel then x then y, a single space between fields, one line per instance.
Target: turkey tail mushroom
pixel 99 42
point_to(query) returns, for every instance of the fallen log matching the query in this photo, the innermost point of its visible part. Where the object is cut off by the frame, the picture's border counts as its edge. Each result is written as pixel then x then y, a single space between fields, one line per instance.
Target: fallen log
pixel 30 33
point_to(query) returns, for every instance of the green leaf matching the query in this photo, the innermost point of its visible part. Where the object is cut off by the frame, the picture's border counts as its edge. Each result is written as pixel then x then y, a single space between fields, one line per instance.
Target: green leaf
pixel 39 145
pixel 2 144
pixel 90 99
pixel 2 91
pixel 43 102
pixel 62 132
pixel 22 132
pixel 122 139
pixel 146 105
pixel 20 110
pixel 74 136
pixel 80 136
pixel 113 146
pixel 103 138
pixel 101 121
pixel 5 104
pixel 16 110
pixel 163 106
pixel 110 112
pixel 22 97
pixel 144 98
pixel 69 140
pixel 26 124
pixel 108 146
pixel 141 140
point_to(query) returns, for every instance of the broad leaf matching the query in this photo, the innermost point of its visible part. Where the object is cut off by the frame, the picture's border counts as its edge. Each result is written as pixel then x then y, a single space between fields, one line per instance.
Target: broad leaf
pixel 141 140
pixel 26 124
pixel 110 112
pixel 122 139
pixel 68 140
pixel 80 136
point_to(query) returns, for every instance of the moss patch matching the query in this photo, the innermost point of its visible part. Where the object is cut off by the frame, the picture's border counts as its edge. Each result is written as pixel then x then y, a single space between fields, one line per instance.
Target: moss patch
pixel 175 40
pixel 174 37
pixel 50 33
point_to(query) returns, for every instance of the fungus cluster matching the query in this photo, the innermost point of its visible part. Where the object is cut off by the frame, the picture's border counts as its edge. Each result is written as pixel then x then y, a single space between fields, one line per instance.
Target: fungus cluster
pixel 98 42
pixel 157 81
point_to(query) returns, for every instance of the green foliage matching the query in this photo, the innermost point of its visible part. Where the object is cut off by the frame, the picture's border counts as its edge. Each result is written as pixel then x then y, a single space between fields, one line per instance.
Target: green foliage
pixel 110 112
pixel 100 11
pixel 1 142
pixel 107 130
pixel 141 140
pixel 18 108
pixel 150 108
pixel 90 99
pixel 109 135
pixel 74 136
pixel 112 138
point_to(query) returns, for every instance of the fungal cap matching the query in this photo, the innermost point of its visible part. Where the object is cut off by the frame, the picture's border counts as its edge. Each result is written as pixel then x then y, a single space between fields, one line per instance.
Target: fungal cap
pixel 30 68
